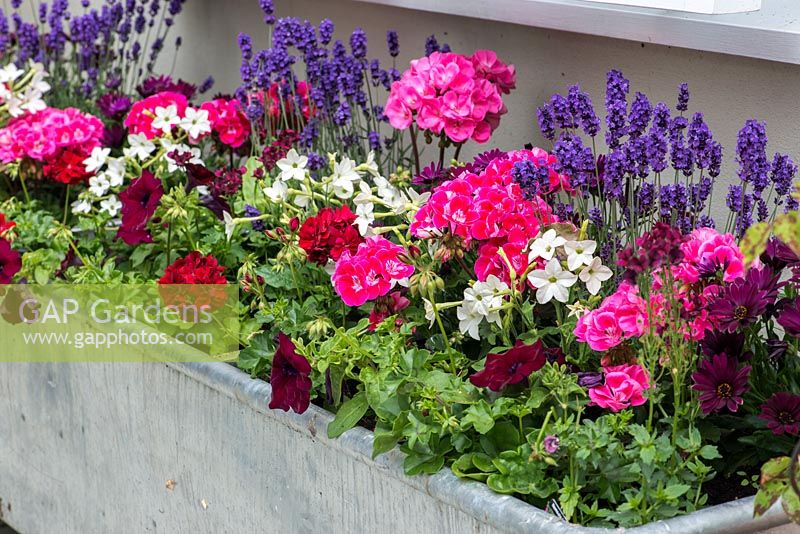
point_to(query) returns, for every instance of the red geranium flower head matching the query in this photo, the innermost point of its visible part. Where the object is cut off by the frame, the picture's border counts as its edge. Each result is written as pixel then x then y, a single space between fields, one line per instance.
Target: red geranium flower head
pixel 510 367
pixel 328 234
pixel 10 262
pixel 5 225
pixel 139 203
pixel 67 166
pixel 291 385
pixel 194 269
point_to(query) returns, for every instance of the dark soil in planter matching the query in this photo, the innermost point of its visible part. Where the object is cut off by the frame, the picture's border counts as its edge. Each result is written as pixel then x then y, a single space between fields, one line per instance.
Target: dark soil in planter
pixel 722 490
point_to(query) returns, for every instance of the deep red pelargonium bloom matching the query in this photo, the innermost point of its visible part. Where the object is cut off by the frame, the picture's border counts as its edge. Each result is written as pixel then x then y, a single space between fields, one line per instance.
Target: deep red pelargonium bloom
pixel 290 378
pixel 510 367
pixel 139 203
pixel 721 383
pixel 10 262
pixel 5 225
pixel 67 166
pixel 195 268
pixel 328 234
pixel 782 413
pixel 228 121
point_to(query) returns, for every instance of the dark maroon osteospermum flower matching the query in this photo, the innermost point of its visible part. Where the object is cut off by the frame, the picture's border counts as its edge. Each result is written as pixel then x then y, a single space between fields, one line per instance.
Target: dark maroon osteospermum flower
pixel 291 385
pixel 728 343
pixel 114 106
pixel 510 367
pixel 782 413
pixel 777 255
pixel 10 262
pixel 738 304
pixel 159 84
pixel 139 203
pixel 721 383
pixel 789 318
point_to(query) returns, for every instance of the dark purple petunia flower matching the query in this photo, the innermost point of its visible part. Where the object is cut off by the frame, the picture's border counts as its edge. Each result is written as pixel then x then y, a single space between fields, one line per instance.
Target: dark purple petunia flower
pixel 159 84
pixel 782 413
pixel 720 383
pixel 291 385
pixel 738 304
pixel 510 367
pixel 789 318
pixel 10 262
pixel 139 203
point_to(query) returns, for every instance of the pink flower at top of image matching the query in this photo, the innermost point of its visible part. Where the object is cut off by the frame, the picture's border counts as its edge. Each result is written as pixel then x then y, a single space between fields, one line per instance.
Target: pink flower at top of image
pixel 140 118
pixel 228 121
pixel 371 272
pixel 41 136
pixel 620 316
pixel 705 252
pixel 489 205
pixel 622 388
pixel 452 93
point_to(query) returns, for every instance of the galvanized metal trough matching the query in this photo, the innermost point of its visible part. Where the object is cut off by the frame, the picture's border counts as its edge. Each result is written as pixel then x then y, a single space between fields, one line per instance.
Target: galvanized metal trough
pixel 174 448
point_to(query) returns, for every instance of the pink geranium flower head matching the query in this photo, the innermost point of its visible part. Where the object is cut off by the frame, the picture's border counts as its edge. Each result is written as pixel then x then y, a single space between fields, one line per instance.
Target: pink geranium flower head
pixel 371 272
pixel 706 250
pixel 451 93
pixel 140 118
pixel 624 386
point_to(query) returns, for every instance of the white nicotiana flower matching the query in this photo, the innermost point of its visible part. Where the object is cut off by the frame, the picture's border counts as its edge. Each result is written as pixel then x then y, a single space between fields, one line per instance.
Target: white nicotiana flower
pixel 579 253
pixel 115 171
pixel 343 178
pixel 469 322
pixel 99 185
pixel 230 225
pixel 166 118
pixel 370 166
pixel 303 198
pixel 277 192
pixel 293 166
pixel 9 73
pixel 14 105
pixel 140 147
pixel 81 206
pixel 111 205
pixel 594 274
pixel 545 246
pixel 96 159
pixel 32 101
pixel 365 217
pixel 481 301
pixel 552 282
pixel 430 314
pixel 364 208
pixel 195 122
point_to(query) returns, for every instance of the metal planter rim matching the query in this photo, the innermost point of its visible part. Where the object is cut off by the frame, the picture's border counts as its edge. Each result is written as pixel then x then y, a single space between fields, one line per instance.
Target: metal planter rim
pixel 502 512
